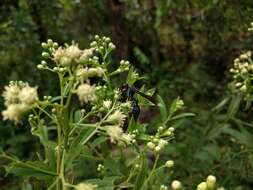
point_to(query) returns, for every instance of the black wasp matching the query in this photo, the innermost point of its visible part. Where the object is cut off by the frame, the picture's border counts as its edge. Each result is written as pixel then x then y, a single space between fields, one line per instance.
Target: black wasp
pixel 127 93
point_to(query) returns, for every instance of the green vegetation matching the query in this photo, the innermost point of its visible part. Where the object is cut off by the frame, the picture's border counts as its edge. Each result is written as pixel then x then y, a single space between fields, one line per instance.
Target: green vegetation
pixel 196 50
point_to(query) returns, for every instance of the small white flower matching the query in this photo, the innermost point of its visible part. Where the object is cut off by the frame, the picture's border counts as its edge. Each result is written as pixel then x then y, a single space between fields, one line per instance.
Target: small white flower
pixel 11 93
pixel 107 104
pixel 14 112
pixel 169 164
pixel 28 95
pixel 96 72
pixel 127 138
pixel 116 118
pixel 162 143
pixel 86 186
pixel 86 54
pixel 151 145
pixel 176 185
pixel 66 55
pixel 73 52
pixel 115 132
pixel 86 93
pixel 82 73
pixel 163 187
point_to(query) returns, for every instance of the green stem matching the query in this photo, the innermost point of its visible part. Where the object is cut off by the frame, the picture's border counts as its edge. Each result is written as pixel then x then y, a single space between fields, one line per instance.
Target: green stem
pixel 152 171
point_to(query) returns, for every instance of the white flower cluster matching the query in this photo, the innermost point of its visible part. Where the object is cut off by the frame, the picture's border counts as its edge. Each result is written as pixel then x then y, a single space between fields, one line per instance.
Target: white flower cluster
pixel 114 130
pixel 18 98
pixel 68 55
pixel 85 73
pixel 86 93
pixel 157 143
pixel 117 118
pixel 86 186
pixel 242 71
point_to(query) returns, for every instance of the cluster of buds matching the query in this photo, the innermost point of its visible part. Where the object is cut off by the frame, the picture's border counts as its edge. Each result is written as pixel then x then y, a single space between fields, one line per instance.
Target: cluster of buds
pixel 101 168
pixel 103 45
pixel 242 72
pixel 179 104
pixel 18 98
pixel 64 57
pixel 85 73
pixel 163 187
pixel 157 144
pixel 209 184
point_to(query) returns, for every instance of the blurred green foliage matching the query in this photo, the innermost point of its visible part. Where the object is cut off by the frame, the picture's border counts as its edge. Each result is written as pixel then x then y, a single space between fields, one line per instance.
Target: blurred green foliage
pixel 184 47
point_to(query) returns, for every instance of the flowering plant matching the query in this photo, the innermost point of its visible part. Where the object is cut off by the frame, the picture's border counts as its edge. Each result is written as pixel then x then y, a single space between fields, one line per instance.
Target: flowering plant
pixel 88 124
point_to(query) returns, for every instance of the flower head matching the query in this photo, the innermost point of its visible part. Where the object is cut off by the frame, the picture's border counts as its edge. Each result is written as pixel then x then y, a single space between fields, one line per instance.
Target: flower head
pixel 14 112
pixel 28 95
pixel 115 132
pixel 86 54
pixel 86 93
pixel 116 118
pixel 11 93
pixel 67 55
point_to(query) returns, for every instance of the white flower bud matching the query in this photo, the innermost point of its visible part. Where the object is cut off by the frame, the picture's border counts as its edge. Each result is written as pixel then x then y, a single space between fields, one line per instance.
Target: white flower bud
pixel 211 182
pixel 157 149
pixel 169 164
pixel 202 186
pixel 151 145
pixel 176 185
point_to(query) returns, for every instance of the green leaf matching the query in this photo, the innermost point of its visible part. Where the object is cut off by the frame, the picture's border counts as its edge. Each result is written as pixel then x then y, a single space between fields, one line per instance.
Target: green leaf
pixel 132 76
pixel 141 57
pixel 35 169
pixel 221 104
pixel 234 105
pixel 78 142
pixel 183 115
pixel 106 183
pixel 163 109
pixel 142 175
